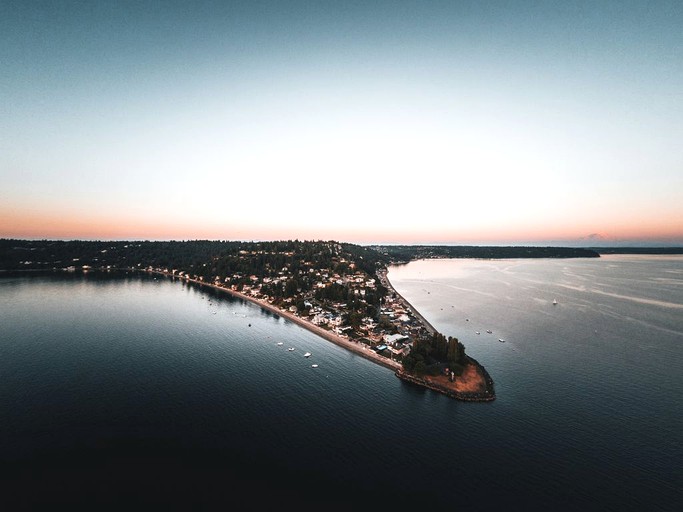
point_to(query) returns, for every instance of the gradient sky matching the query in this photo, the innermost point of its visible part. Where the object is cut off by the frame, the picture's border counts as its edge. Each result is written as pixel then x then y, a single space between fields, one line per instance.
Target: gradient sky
pixel 362 121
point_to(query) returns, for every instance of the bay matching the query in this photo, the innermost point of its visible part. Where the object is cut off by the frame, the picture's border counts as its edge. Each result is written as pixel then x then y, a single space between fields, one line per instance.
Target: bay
pixel 128 389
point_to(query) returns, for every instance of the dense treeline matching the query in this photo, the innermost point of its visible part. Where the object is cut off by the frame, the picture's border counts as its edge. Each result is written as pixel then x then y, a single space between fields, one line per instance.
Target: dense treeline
pixel 404 253
pixel 50 254
pixel 435 354
pixel 205 257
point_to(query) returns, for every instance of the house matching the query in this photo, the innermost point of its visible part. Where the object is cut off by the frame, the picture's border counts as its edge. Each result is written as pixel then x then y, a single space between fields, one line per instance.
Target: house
pixel 392 339
pixel 396 351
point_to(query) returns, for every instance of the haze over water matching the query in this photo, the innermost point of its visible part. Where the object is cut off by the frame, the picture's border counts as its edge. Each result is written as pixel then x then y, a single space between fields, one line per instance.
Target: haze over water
pixel 177 394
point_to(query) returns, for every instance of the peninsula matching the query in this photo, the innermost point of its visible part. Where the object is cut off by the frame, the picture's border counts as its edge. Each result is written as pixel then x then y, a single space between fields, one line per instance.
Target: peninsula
pixel 471 383
pixel 339 291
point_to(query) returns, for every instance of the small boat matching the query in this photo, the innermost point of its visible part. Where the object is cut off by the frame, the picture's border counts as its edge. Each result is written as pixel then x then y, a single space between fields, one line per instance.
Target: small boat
pixel 307 354
pixel 489 331
pixel 314 366
pixel 554 302
pixel 290 349
pixel 477 332
pixel 501 340
pixel 279 343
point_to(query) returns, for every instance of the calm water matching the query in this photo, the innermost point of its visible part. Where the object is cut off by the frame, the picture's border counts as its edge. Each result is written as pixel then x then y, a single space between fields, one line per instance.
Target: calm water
pixel 126 389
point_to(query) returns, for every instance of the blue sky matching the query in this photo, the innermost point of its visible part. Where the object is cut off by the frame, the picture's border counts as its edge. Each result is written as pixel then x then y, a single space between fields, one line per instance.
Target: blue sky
pixel 426 122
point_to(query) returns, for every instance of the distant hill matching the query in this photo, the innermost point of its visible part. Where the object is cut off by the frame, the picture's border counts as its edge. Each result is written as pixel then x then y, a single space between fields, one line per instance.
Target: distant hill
pixel 400 253
pixel 205 258
pixel 639 250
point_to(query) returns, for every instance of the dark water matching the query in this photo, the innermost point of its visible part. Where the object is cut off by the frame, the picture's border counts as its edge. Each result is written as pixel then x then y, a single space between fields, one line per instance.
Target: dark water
pixel 134 391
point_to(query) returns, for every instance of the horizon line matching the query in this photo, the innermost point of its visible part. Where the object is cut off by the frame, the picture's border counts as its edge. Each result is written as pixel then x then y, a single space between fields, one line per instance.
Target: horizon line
pixel 568 244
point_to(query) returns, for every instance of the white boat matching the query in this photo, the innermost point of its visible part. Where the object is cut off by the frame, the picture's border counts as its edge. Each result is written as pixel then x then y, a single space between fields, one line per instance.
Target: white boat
pixel 501 340
pixel 554 302
pixel 290 349
pixel 489 331
pixel 314 366
pixel 279 343
pixel 307 354
pixel 478 332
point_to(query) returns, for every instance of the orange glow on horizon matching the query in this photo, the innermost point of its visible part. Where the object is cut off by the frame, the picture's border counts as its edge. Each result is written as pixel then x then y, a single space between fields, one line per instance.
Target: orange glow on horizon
pixel 71 225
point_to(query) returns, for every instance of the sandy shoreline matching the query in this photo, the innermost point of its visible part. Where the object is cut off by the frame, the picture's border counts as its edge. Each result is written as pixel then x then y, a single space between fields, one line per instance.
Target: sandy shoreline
pixel 350 345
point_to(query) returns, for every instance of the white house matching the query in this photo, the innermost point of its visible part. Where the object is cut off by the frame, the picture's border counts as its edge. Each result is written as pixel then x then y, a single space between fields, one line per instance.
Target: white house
pixel 391 339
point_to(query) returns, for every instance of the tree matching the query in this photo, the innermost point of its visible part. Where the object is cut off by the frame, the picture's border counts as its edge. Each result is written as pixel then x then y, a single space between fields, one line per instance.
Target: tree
pixel 440 346
pixel 420 368
pixel 291 288
pixel 456 352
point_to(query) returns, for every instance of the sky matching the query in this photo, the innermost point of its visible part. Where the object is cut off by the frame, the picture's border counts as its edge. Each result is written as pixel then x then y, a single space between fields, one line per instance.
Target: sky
pixel 449 122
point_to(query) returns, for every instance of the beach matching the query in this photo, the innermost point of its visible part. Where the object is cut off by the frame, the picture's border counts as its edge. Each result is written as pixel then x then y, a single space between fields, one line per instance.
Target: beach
pixel 353 346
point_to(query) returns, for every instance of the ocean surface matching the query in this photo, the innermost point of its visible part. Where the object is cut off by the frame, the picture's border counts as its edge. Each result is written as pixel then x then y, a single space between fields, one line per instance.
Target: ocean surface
pixel 126 389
